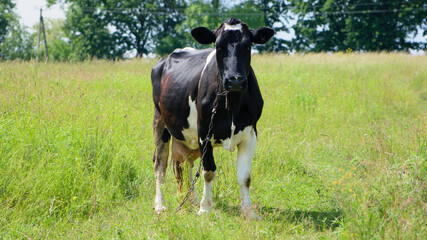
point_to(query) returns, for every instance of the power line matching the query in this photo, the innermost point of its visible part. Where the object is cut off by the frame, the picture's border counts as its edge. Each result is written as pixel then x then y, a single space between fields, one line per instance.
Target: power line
pixel 169 11
pixel 180 9
pixel 371 11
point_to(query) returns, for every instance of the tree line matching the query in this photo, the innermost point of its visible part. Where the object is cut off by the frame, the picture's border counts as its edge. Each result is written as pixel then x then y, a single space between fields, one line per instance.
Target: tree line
pixel 117 29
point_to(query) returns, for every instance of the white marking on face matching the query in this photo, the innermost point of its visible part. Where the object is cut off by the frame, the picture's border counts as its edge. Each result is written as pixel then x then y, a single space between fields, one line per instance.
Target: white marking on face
pixel 235 27
pixel 190 133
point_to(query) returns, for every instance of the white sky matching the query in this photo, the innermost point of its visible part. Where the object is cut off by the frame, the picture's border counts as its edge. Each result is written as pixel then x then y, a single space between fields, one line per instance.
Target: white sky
pixel 29 11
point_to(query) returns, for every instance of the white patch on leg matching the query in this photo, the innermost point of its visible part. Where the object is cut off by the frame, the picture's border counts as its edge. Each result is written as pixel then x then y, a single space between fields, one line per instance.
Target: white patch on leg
pixel 160 171
pixel 159 202
pixel 244 162
pixel 206 203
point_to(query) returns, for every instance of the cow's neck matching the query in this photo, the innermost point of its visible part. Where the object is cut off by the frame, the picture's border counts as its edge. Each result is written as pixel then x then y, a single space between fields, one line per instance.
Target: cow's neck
pixel 233 105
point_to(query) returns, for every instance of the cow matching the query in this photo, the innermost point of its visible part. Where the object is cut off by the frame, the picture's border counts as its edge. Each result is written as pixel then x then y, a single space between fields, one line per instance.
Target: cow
pixel 210 94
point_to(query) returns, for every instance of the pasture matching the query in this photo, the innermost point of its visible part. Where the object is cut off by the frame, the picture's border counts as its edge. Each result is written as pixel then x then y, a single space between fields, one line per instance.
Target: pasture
pixel 341 153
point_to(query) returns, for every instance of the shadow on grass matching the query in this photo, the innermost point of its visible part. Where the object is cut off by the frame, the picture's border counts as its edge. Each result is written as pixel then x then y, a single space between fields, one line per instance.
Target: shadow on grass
pixel 319 220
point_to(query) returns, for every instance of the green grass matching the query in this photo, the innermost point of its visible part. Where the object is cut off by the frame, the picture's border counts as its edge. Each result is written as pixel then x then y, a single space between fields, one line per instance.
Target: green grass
pixel 341 153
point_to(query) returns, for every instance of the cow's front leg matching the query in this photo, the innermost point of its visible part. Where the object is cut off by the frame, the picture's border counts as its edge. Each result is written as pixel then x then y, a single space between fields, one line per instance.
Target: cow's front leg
pixel 209 170
pixel 245 154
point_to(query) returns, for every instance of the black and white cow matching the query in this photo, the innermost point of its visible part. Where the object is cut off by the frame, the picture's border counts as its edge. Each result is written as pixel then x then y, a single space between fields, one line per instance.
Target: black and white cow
pixel 185 85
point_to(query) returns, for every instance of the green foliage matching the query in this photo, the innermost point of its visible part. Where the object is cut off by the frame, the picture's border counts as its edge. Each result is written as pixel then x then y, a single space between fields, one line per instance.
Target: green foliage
pixel 340 155
pixel 116 29
pixel 59 50
pixel 87 29
pixel 17 44
pixel 135 22
pixel 108 29
pixel 254 13
pixel 249 12
pixel 58 46
pixel 270 13
pixel 7 15
pixel 199 13
pixel 361 25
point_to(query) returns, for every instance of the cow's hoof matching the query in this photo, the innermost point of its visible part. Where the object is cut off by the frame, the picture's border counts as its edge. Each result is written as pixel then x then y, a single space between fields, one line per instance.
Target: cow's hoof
pixel 204 211
pixel 159 209
pixel 250 214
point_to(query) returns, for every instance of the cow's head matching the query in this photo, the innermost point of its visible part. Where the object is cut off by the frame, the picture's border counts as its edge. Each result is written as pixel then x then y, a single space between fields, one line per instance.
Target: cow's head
pixel 233 42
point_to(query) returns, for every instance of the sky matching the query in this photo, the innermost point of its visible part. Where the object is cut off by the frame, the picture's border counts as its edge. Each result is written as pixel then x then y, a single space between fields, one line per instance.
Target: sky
pixel 29 11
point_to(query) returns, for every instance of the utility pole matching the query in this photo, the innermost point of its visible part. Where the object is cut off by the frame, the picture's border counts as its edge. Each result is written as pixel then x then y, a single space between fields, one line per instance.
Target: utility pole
pixel 41 25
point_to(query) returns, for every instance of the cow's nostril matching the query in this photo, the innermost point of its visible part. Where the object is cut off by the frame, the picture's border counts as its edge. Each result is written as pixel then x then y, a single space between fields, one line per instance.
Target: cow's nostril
pixel 228 85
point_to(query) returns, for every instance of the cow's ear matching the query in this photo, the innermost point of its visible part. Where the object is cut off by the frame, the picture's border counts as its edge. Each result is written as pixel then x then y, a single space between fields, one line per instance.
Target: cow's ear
pixel 262 35
pixel 203 35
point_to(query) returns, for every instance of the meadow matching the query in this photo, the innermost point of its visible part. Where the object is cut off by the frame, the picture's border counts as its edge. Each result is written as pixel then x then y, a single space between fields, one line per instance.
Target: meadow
pixel 341 153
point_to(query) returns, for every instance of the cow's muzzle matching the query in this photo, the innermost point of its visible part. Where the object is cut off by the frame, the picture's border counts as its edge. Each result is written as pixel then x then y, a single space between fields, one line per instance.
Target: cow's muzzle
pixel 235 84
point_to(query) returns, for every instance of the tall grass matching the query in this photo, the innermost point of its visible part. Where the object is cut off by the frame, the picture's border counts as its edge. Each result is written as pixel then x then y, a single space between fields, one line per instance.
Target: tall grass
pixel 341 153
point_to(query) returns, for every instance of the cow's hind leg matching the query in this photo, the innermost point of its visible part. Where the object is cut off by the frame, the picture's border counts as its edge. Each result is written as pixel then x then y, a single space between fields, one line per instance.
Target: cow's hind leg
pixel 177 161
pixel 181 156
pixel 160 158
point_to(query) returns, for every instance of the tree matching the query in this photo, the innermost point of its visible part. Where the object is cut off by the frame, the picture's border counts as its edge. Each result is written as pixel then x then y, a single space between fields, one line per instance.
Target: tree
pixel 110 28
pixel 168 37
pixel 254 13
pixel 362 25
pixel 270 13
pixel 7 15
pixel 57 42
pixel 199 13
pixel 88 31
pixel 142 24
pixel 15 41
